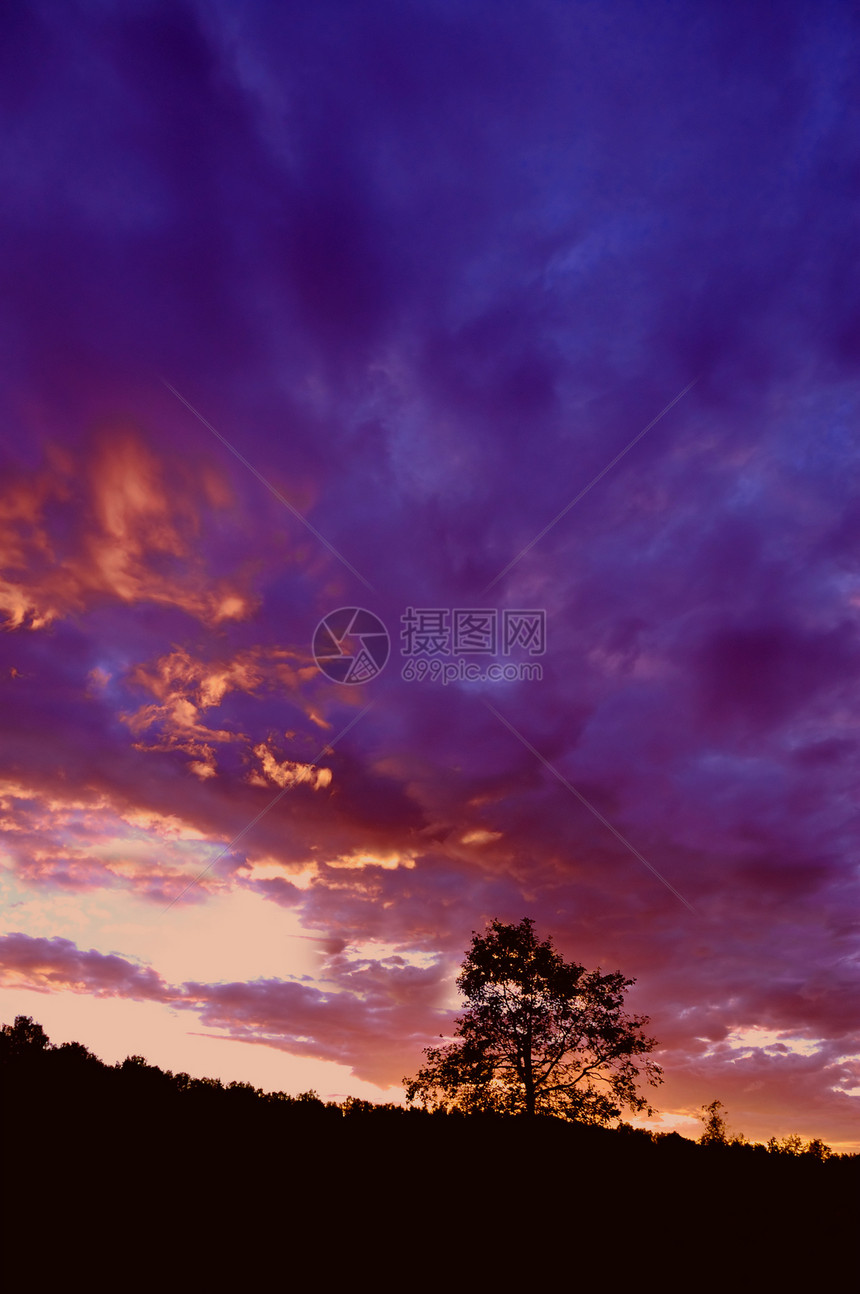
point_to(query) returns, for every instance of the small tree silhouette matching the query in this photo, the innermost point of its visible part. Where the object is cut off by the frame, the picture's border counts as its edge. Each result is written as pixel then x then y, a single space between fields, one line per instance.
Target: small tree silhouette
pixel 716 1133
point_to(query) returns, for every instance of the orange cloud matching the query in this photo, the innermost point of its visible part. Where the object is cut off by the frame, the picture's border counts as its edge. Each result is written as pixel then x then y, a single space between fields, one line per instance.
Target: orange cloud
pixel 130 531
pixel 290 773
pixel 184 686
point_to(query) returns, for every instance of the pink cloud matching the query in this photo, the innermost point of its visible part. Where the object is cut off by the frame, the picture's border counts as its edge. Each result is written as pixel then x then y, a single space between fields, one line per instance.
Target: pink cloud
pixel 372 1015
pixel 55 965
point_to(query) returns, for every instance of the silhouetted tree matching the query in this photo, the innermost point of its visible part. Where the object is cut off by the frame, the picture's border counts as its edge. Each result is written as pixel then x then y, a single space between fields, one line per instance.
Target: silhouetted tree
pixel 539 1036
pixel 24 1036
pixel 715 1133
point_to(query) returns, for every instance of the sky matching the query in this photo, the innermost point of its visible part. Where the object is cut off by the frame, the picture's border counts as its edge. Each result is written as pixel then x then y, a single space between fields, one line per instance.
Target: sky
pixel 531 330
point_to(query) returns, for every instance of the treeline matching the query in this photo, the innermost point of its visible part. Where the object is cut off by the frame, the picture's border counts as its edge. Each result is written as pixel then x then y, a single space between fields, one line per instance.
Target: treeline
pixel 716 1133
pixel 30 1060
pixel 27 1054
pixel 131 1178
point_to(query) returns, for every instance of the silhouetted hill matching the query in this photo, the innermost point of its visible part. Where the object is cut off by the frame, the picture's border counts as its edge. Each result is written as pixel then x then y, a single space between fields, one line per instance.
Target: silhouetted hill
pixel 127 1178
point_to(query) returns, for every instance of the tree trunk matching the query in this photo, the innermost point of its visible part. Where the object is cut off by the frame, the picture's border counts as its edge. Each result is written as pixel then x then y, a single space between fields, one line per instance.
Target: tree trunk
pixel 528 1076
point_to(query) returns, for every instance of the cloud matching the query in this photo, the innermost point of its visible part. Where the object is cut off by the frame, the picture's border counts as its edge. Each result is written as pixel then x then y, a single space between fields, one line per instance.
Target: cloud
pixel 125 532
pixel 56 965
pixel 430 283
pixel 366 1014
pixel 289 773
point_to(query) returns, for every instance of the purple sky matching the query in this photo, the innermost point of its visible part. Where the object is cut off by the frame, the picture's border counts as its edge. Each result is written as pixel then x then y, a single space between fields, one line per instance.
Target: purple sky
pixel 430 267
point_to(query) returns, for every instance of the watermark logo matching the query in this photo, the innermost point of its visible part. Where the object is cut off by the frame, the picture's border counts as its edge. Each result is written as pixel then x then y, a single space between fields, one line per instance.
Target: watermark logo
pixel 351 645
pixel 439 631
pixel 437 640
pixel 421 670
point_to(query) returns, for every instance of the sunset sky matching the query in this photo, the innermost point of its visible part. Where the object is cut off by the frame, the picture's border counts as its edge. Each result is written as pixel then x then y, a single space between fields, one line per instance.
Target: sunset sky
pixel 335 305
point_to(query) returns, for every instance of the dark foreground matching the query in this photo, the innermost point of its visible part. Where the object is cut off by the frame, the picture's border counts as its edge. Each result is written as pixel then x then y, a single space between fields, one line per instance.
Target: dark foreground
pixel 127 1179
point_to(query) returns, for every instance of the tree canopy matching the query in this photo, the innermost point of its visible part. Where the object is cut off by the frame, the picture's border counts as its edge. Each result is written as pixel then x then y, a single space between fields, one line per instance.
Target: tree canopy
pixel 539 1035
